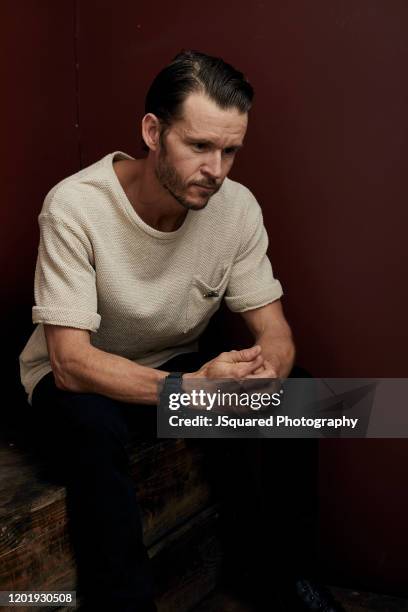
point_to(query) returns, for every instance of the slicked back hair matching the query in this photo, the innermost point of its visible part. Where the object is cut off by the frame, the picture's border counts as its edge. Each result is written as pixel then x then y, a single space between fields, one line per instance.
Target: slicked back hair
pixel 195 72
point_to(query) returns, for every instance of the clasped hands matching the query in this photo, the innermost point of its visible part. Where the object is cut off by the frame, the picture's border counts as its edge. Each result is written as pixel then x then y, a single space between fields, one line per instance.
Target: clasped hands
pixel 237 365
pixel 245 371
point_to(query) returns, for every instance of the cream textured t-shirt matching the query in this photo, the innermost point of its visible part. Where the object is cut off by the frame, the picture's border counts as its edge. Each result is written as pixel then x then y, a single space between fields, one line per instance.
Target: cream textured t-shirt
pixel 144 294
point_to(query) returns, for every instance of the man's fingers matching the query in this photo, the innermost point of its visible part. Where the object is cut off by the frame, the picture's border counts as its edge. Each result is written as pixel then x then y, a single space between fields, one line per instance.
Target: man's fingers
pixel 246 354
pixel 259 370
pixel 267 371
pixel 243 369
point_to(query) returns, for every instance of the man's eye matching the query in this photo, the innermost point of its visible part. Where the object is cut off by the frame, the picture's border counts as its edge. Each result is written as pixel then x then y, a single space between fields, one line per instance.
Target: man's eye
pixel 199 146
pixel 230 151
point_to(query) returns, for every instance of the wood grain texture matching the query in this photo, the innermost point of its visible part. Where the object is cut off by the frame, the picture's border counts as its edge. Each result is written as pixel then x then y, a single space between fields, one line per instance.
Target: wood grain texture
pixel 35 551
pixel 187 563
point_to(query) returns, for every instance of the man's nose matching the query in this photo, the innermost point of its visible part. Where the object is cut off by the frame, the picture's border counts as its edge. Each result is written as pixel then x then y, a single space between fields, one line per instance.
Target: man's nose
pixel 213 165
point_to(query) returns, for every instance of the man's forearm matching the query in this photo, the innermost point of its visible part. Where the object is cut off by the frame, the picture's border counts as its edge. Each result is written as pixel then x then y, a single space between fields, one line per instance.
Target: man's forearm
pixel 96 371
pixel 279 351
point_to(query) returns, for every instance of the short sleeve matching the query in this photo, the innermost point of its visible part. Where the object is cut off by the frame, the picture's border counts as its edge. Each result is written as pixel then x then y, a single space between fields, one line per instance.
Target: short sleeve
pixel 65 286
pixel 252 283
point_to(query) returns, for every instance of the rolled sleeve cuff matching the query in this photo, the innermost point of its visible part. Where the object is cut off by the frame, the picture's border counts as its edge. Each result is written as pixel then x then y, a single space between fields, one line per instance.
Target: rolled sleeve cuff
pixel 81 319
pixel 241 303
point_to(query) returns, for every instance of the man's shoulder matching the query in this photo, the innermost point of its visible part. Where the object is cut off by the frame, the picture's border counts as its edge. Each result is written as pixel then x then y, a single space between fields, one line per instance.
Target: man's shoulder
pixel 235 190
pixel 237 200
pixel 77 194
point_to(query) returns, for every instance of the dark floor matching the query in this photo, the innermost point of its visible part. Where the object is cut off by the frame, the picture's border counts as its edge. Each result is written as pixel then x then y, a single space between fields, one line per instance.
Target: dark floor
pixel 353 601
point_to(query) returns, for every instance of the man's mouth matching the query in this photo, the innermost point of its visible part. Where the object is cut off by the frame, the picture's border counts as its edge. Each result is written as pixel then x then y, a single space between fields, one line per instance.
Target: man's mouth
pixel 206 187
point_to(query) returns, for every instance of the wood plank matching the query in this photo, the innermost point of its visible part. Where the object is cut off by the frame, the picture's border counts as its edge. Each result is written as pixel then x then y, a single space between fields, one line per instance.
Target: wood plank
pixel 35 551
pixel 186 564
pixel 171 485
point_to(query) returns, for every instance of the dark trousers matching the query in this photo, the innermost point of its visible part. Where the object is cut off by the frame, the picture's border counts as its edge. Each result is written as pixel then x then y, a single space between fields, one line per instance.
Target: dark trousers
pixel 84 438
pixel 262 485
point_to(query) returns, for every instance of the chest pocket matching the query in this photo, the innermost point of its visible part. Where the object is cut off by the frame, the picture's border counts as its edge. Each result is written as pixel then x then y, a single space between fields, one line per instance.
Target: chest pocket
pixel 204 300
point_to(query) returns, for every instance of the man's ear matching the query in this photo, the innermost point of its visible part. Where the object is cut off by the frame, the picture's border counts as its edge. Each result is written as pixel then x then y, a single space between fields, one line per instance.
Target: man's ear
pixel 151 131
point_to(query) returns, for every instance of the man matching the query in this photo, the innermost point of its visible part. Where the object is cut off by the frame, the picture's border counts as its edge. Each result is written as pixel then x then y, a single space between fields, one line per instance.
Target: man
pixel 135 257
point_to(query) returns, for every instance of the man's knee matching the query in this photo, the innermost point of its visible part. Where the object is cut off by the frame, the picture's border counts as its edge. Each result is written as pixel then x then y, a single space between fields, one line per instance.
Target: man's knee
pixel 90 412
pixel 94 433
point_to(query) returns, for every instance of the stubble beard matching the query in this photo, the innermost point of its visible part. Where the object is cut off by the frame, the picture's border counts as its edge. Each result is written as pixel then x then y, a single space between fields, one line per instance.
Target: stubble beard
pixel 169 178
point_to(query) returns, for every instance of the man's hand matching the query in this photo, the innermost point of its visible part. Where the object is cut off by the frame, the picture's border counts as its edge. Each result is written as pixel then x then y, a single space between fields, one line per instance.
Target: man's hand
pixel 267 370
pixel 235 365
pixel 244 370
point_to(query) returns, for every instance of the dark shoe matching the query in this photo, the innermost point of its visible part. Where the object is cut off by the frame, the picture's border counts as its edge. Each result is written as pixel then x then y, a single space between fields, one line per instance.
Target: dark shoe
pixel 284 595
pixel 307 595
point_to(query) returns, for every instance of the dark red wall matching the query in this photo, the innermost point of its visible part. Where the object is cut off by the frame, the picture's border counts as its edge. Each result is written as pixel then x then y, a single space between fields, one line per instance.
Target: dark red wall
pixel 326 149
pixel 326 156
pixel 38 106
pixel 39 116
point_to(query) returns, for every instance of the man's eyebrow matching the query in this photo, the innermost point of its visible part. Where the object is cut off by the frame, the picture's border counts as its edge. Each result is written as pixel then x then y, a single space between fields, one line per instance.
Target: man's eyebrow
pixel 200 140
pixel 203 141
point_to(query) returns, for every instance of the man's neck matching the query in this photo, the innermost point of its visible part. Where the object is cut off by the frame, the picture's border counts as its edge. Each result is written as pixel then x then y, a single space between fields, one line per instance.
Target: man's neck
pixel 154 205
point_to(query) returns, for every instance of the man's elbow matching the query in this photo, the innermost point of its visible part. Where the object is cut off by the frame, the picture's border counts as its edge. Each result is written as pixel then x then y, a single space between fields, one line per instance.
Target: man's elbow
pixel 291 351
pixel 288 345
pixel 66 374
pixel 68 351
pixel 288 354
pixel 61 377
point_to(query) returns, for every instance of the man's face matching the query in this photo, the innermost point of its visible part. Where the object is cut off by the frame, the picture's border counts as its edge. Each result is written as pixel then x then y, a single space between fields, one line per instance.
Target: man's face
pixel 197 152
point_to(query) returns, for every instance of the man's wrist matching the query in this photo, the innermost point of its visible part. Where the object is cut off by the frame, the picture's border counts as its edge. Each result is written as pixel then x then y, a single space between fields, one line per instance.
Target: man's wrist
pixel 197 374
pixel 172 383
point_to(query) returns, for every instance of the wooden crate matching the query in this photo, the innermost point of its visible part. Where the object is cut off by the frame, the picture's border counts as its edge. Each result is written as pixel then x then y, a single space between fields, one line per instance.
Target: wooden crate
pixel 179 518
